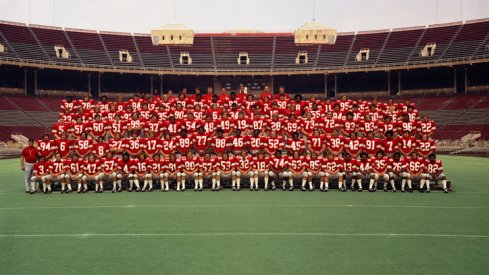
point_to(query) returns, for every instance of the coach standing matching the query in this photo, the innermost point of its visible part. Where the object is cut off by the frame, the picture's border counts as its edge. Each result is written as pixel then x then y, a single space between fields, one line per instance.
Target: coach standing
pixel 28 158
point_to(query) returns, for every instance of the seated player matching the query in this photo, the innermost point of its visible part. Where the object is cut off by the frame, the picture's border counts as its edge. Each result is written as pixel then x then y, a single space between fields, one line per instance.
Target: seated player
pixel 125 171
pixel 40 173
pixel 244 168
pixel 108 171
pixel 364 170
pixel 396 168
pixel 224 169
pixel 57 173
pixel 172 166
pixel 349 171
pixel 295 144
pixel 142 172
pixel 191 169
pixel 201 140
pixel 414 171
pixel 91 170
pixel 434 171
pixel 278 169
pixel 379 171
pixel 261 169
pixel 331 167
pixel 74 171
pixel 297 168
pixel 316 143
pixel 208 164
pixel 157 169
pixel 313 166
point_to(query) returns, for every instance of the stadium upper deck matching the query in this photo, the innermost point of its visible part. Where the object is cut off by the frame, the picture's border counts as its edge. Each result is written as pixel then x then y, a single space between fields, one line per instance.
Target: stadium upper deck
pixel 269 53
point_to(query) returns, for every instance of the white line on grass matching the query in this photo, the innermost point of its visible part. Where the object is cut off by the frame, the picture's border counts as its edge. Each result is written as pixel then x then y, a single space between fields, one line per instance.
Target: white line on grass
pixel 243 205
pixel 218 234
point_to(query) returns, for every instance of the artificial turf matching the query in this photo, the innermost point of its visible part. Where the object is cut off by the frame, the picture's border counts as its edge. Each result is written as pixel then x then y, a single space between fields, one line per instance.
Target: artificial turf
pixel 248 232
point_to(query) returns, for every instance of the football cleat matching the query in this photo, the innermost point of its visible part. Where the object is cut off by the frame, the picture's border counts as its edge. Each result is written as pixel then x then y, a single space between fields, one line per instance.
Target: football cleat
pixel 304 189
pixel 129 190
pixel 291 188
pixel 234 188
pixel 402 190
pixel 119 189
pixel 445 190
pixel 113 190
pixel 201 189
pixel 385 189
pixel 360 190
pixel 394 190
pixel 427 190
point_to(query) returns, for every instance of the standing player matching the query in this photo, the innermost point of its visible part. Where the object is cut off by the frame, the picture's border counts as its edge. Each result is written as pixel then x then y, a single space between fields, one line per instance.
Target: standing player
pixel 45 146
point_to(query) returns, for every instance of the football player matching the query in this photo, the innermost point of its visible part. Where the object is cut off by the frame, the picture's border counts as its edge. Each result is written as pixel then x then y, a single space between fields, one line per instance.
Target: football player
pixel 434 171
pixel 261 166
pixel 40 173
pixel 379 171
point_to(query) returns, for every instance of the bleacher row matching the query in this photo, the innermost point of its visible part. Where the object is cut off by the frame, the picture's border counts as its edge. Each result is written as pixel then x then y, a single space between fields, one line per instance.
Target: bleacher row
pixel 267 52
pixel 455 116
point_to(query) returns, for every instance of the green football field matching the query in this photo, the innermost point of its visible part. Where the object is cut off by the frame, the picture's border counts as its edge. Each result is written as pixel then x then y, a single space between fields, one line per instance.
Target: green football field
pixel 248 232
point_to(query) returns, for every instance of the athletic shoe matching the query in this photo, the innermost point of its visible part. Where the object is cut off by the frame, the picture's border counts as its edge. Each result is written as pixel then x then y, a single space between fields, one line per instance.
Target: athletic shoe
pixel 291 188
pixel 234 188
pixel 113 190
pixel 119 189
pixel 427 190
pixel 445 190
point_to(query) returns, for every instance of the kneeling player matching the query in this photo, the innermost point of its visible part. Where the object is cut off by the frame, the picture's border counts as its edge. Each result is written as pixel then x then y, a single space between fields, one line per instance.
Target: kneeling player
pixel 434 171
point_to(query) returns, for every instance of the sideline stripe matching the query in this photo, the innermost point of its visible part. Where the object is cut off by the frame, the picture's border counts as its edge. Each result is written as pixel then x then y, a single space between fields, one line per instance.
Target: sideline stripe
pixel 244 205
pixel 218 234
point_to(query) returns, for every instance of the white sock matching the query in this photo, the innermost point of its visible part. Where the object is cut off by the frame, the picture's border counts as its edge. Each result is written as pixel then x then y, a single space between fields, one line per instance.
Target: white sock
pixel 444 183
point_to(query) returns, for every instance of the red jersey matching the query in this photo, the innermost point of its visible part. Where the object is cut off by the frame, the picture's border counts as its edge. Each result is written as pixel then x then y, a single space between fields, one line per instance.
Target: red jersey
pixel 332 165
pixel 83 146
pixel 406 145
pixel 353 146
pixel 207 166
pixel 219 145
pixel 258 124
pixel 168 146
pixel 190 164
pixel 101 149
pixel 92 168
pixel 41 169
pixel 327 124
pixel 125 167
pixel 255 143
pixel 98 128
pixel 155 127
pixel 379 165
pixel 78 128
pixel 389 146
pixel 244 163
pixel 276 125
pixel 426 128
pixel 201 142
pixel 56 167
pixel 142 166
pixel 30 154
pixel 364 166
pixel 64 147
pixel 434 168
pixel 117 127
pixel 184 144
pixel 173 166
pixel 308 125
pixel 350 166
pixel 59 128
pixel 226 165
pixel 425 147
pixel 314 165
pixel 348 126
pixel 415 166
pixel 109 165
pixel 336 144
pixel 237 143
pixel 278 164
pixel 406 126
pixel 74 167
pixel 274 144
pixel 261 164
pixel 115 144
pixel 151 145
pixel 133 145
pixel 396 167
pixel 244 124
pixel 295 145
pixel 296 165
pixel 371 145
pixel 46 148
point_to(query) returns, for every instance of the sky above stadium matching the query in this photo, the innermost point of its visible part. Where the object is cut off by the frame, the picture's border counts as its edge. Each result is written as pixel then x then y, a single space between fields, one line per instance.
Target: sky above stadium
pixel 223 15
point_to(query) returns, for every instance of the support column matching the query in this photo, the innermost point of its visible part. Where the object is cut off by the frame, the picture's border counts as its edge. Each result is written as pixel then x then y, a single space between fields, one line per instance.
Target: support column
pixel 466 80
pixel 454 80
pixel 99 84
pixel 389 82
pixel 325 86
pixel 335 85
pixel 271 85
pixel 89 83
pixel 161 85
pixel 399 83
pixel 35 82
pixel 25 82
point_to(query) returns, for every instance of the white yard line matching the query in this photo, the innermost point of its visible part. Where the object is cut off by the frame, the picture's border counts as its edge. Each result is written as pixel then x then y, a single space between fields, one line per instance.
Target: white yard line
pixel 218 234
pixel 245 205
